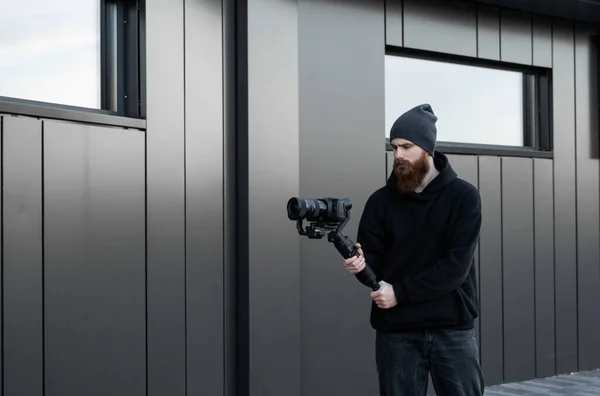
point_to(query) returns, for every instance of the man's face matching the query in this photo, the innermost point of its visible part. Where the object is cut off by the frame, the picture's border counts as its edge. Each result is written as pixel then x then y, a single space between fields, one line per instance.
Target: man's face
pixel 411 164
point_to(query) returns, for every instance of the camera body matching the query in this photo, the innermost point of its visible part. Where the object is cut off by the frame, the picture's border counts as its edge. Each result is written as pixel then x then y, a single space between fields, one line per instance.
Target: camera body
pixel 327 217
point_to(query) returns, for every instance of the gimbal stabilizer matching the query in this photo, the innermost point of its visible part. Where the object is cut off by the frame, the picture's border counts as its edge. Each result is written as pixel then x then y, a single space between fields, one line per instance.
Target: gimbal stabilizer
pixel 327 217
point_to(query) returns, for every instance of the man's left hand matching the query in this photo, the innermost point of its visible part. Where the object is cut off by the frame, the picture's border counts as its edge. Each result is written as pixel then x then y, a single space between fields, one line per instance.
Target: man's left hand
pixel 384 297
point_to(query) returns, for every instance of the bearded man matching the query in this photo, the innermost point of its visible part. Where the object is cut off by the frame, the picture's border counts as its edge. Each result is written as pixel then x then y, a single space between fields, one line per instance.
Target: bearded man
pixel 419 233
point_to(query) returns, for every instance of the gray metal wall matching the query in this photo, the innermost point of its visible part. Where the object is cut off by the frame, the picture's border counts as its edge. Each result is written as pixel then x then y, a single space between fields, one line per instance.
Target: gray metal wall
pixel 73 258
pixel 184 154
pixel 112 231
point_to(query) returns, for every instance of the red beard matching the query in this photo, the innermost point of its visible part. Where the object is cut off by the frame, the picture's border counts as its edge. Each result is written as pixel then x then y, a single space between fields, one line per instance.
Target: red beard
pixel 410 175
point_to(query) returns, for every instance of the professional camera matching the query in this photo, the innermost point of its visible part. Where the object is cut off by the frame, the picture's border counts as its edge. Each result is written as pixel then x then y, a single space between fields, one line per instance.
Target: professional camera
pixel 327 217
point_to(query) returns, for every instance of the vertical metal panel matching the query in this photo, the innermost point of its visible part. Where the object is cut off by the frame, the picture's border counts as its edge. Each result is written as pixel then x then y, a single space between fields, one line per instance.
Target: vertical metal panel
pixel 467 168
pixel 440 25
pixel 333 120
pixel 588 194
pixel 515 37
pixel 1 246
pixel 165 168
pixel 94 273
pixel 273 169
pixel 518 269
pixel 564 199
pixel 544 267
pixel 430 387
pixel 542 41
pixel 393 22
pixel 238 190
pixel 22 270
pixel 231 189
pixel 204 196
pixel 490 270
pixel 488 32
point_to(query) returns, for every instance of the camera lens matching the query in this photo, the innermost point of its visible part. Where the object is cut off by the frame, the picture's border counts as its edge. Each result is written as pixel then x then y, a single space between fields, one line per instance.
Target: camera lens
pixel 312 209
pixel 296 208
pixel 300 208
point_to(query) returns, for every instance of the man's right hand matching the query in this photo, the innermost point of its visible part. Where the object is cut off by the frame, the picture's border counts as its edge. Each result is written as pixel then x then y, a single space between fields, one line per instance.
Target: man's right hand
pixel 355 264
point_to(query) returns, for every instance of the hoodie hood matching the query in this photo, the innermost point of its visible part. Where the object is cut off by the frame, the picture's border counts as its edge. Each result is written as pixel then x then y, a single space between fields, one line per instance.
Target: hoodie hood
pixel 446 176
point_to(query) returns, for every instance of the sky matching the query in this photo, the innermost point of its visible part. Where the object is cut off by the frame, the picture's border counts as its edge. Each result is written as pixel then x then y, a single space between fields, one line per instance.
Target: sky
pixel 473 104
pixel 50 51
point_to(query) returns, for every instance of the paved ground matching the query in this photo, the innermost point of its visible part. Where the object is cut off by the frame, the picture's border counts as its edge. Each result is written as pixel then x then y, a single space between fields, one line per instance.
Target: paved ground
pixel 577 384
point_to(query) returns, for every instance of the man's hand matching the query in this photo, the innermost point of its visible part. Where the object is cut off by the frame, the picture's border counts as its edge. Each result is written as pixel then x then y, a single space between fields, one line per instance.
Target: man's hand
pixel 355 264
pixel 384 297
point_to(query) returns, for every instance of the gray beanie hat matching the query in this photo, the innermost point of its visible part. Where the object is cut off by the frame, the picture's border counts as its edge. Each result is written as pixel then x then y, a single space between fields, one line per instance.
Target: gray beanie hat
pixel 418 126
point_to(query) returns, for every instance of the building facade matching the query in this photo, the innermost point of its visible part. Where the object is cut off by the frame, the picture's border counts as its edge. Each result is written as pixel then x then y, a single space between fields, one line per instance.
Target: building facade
pixel 149 149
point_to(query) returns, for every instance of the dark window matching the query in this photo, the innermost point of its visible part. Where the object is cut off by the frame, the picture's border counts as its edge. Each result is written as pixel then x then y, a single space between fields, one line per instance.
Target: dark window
pixel 480 106
pixel 71 53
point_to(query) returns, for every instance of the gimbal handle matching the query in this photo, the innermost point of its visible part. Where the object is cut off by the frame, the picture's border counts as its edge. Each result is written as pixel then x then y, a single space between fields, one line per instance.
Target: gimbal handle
pixel 347 249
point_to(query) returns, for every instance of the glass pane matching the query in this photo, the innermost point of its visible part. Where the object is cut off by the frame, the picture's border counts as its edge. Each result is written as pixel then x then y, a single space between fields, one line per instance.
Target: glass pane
pixel 50 51
pixel 473 104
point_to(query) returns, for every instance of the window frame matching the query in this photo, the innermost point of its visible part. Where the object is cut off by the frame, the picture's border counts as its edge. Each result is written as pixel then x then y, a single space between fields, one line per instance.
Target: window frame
pixel 537 102
pixel 122 74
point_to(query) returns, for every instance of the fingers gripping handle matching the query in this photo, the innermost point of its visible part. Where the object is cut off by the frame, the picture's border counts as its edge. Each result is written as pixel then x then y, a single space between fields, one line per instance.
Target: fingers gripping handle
pixel 347 249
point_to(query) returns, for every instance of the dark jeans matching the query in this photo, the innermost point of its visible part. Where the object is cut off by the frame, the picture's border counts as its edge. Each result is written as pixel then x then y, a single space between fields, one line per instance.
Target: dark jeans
pixel 451 356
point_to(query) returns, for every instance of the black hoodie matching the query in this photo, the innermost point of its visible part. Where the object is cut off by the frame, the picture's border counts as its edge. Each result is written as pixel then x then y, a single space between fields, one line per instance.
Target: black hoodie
pixel 423 245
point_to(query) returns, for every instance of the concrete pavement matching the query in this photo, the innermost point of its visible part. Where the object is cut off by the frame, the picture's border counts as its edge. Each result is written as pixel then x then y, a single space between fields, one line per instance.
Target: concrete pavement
pixel 576 384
